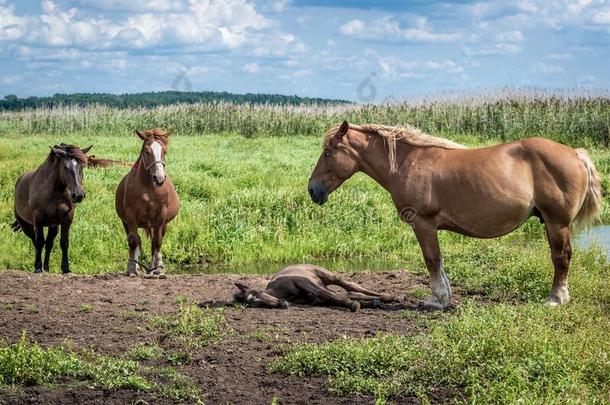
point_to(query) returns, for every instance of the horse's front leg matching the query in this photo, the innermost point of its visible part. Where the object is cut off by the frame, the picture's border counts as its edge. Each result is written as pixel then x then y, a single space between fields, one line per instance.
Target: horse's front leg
pixel 64 243
pixel 133 240
pixel 48 246
pixel 157 267
pixel 439 284
pixel 38 246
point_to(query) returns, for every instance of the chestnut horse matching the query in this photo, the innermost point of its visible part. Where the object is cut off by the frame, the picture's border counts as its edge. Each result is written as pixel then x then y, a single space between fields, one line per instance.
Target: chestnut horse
pixel 146 198
pixel 46 197
pixel 485 192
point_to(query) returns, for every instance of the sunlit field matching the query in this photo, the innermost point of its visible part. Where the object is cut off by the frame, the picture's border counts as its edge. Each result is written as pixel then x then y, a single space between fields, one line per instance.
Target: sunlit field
pixel 241 173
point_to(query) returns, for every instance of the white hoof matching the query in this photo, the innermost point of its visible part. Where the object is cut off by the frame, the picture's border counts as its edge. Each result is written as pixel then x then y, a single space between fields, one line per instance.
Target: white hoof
pixel 559 297
pixel 433 304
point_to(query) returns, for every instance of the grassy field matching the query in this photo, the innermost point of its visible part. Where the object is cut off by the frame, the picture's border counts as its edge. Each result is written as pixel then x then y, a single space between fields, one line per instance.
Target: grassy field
pixel 245 205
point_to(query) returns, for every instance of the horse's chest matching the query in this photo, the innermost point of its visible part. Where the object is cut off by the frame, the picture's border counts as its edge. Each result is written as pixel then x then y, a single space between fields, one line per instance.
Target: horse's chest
pixel 151 209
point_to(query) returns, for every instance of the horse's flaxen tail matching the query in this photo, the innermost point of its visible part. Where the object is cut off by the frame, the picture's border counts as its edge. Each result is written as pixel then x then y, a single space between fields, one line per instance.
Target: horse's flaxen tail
pixel 589 210
pixel 16 226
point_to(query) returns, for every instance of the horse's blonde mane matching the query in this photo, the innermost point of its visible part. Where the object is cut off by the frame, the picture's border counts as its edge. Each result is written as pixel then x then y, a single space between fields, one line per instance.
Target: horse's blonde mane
pixel 406 134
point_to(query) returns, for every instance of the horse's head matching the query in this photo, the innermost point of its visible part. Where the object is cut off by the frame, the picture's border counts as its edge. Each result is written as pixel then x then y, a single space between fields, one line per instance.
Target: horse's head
pixel 70 161
pixel 337 163
pixel 153 152
pixel 256 298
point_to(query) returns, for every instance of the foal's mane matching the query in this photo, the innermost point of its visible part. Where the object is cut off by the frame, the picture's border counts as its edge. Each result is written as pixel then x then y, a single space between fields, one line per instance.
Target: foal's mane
pixel 157 134
pixel 407 134
pixel 73 151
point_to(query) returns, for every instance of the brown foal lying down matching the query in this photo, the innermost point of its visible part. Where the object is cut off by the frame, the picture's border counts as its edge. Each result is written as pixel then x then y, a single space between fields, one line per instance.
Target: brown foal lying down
pixel 307 284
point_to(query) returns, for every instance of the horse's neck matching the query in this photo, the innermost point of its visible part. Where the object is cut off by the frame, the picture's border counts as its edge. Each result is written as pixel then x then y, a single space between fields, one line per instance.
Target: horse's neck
pixel 48 172
pixel 374 161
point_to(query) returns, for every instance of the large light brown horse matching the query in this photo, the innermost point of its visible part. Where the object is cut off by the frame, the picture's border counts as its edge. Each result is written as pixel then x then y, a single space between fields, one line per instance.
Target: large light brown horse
pixel 46 197
pixel 146 198
pixel 484 192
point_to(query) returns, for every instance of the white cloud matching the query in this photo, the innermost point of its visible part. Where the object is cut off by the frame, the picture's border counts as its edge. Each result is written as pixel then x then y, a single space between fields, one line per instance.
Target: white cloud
pixel 388 29
pixel 510 36
pixel 493 50
pixel 602 17
pixel 393 68
pixel 251 68
pixel 206 24
pixel 559 56
pixel 548 69
pixel 11 79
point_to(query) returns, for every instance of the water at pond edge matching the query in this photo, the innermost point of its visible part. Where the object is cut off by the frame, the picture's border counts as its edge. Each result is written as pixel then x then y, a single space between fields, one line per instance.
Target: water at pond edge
pixel 596 236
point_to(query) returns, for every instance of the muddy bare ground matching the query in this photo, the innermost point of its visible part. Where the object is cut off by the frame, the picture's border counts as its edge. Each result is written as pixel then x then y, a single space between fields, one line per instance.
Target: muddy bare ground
pixel 48 307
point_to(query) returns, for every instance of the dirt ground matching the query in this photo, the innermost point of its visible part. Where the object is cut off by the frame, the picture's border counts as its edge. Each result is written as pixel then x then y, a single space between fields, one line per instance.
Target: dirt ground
pixel 231 371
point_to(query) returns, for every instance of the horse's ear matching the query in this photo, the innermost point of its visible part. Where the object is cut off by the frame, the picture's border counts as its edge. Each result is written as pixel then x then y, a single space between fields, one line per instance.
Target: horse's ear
pixel 87 149
pixel 58 152
pixel 141 135
pixel 343 129
pixel 242 287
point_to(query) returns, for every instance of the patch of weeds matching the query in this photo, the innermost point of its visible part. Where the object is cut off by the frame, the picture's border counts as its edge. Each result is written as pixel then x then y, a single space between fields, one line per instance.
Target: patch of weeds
pixel 194 326
pixel 131 314
pixel 177 386
pixel 86 308
pixel 419 293
pixel 145 351
pixel 179 358
pixel 181 299
pixel 32 308
pixel 500 354
pixel 9 306
pixel 110 373
pixel 260 336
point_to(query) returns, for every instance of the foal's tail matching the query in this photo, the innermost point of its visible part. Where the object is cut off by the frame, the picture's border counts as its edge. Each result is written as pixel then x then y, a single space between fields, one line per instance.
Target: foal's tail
pixel 16 226
pixel 589 210
pixel 148 232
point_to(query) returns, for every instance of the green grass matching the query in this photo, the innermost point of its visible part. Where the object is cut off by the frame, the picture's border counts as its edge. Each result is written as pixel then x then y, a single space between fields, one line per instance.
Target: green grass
pixel 86 308
pixel 26 364
pixel 145 351
pixel 484 352
pixel 193 326
pixel 244 205
pixel 503 354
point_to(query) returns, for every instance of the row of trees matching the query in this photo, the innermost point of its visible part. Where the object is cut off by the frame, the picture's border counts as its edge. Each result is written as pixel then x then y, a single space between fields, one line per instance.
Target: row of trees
pixel 154 99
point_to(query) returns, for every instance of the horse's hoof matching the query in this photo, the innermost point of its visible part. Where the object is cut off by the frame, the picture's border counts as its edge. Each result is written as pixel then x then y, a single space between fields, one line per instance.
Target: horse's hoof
pixel 354 306
pixel 162 276
pixel 376 303
pixel 132 274
pixel 38 271
pixel 66 273
pixel 433 304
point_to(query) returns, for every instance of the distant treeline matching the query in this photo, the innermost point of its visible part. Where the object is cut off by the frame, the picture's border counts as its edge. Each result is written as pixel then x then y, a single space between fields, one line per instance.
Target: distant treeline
pixel 155 99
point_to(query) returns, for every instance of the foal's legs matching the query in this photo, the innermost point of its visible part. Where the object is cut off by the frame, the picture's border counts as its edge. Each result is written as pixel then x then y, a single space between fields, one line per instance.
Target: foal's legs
pixel 133 240
pixel 561 253
pixel 326 296
pixel 355 288
pixel 156 242
pixel 439 284
pixel 48 246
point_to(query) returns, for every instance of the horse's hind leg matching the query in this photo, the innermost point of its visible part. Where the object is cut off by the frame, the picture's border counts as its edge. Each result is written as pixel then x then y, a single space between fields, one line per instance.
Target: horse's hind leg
pixel 157 267
pixel 48 246
pixel 355 288
pixel 561 253
pixel 324 295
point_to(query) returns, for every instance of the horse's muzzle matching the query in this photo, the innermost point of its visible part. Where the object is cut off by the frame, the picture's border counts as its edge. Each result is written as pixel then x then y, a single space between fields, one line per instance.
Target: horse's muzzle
pixel 318 191
pixel 78 197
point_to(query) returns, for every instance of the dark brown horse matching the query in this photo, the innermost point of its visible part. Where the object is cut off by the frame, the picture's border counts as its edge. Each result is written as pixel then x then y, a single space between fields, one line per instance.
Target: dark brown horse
pixel 484 192
pixel 308 284
pixel 146 198
pixel 46 197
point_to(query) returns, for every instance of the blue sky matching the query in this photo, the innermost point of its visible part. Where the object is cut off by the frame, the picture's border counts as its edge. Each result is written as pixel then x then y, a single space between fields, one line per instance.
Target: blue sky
pixel 357 50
